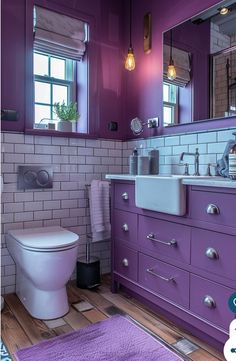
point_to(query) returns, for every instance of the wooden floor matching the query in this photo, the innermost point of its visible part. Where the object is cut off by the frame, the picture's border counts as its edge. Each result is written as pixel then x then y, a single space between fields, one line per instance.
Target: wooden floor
pixel 20 330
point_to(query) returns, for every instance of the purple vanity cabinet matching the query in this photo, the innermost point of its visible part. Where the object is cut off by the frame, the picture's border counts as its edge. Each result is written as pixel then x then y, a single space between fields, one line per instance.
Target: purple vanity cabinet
pixel 183 266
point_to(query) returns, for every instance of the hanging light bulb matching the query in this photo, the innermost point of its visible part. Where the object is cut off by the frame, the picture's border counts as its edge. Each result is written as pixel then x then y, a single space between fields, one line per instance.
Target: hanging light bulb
pixel 171 71
pixel 130 60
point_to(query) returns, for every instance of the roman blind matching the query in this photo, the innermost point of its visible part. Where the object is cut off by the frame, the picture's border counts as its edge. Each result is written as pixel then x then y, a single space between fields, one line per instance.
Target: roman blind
pixel 59 34
pixel 182 64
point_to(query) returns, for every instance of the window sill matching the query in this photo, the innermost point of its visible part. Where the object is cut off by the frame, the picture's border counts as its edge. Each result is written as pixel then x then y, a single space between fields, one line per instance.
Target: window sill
pixel 56 133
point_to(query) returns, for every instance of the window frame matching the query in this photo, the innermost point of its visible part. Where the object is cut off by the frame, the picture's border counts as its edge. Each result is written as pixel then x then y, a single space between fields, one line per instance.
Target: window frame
pixel 173 105
pixel 70 72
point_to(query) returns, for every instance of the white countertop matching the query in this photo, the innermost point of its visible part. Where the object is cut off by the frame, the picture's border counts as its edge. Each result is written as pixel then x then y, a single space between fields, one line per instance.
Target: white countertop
pixel 197 181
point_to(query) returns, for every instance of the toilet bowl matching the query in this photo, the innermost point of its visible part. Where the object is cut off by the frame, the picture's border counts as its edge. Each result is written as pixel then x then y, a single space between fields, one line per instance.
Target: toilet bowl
pixel 45 259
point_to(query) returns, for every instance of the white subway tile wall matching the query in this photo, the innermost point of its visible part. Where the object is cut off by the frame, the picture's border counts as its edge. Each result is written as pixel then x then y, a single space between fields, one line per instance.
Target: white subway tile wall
pixel 75 163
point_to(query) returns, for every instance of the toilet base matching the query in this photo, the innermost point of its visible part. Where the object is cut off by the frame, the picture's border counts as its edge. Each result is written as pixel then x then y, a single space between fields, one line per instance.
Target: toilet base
pixel 41 304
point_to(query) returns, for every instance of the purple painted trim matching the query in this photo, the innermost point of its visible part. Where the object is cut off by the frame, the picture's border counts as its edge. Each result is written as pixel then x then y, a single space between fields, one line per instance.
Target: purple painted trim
pixel 55 133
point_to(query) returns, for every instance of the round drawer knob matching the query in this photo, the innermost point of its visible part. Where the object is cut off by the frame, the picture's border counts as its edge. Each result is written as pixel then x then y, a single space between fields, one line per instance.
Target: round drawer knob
pixel 125 196
pixel 212 209
pixel 125 227
pixel 125 262
pixel 212 253
pixel 209 302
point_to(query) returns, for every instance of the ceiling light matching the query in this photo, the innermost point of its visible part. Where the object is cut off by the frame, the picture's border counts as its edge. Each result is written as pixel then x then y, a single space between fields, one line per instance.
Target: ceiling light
pixel 224 11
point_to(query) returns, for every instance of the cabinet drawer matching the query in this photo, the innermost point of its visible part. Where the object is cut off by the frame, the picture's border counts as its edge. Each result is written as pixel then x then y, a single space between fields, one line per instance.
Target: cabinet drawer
pixel 126 261
pixel 164 279
pixel 124 196
pixel 125 226
pixel 200 207
pixel 169 239
pixel 203 293
pixel 214 252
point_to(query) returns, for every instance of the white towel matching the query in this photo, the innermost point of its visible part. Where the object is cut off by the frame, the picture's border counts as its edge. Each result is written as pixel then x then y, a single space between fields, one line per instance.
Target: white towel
pixel 99 201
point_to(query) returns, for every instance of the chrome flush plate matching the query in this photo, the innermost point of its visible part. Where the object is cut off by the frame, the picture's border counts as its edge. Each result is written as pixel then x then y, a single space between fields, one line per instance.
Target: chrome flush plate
pixel 35 177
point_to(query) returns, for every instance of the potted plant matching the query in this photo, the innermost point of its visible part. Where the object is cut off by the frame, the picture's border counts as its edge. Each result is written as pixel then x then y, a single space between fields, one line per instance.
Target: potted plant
pixel 67 114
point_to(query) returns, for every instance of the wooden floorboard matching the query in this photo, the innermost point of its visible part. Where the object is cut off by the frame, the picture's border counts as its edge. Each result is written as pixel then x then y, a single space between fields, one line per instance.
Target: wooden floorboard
pixel 20 330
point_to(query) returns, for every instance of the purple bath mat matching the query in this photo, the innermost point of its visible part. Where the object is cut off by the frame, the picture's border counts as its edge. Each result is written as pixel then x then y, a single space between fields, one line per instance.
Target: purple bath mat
pixel 115 339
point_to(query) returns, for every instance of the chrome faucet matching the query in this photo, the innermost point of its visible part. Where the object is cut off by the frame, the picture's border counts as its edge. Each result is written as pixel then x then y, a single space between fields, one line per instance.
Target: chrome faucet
pixel 196 160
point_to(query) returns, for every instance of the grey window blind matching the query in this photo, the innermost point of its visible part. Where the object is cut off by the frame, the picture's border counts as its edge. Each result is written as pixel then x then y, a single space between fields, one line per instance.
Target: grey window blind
pixel 59 34
pixel 182 64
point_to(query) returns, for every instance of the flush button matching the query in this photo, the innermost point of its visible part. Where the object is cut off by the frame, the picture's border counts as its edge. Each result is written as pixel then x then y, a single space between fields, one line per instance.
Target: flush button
pixel 34 177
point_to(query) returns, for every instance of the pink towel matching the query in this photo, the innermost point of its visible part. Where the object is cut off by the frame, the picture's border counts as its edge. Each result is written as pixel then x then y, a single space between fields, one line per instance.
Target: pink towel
pixel 100 210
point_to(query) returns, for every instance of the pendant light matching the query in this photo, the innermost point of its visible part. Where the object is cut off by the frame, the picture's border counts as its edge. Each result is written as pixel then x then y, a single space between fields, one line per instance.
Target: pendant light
pixel 171 71
pixel 130 60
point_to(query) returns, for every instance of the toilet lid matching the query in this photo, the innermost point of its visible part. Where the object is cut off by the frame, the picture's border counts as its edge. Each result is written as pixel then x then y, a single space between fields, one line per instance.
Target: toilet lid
pixel 45 238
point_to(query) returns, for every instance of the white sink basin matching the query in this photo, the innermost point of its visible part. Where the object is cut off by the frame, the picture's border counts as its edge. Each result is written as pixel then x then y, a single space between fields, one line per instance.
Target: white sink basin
pixel 161 193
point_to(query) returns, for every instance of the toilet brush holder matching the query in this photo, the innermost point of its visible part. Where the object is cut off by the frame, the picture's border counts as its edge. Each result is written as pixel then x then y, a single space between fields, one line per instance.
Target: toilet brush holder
pixel 88 271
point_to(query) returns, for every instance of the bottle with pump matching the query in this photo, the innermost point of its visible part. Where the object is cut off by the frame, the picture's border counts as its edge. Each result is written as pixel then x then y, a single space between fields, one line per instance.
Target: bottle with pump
pixel 133 162
pixel 232 161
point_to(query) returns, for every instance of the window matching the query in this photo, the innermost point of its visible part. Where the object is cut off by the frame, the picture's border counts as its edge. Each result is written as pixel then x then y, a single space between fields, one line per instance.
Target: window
pixel 54 81
pixel 170 104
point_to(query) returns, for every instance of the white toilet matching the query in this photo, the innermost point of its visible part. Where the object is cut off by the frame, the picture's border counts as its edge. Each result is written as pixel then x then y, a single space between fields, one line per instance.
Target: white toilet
pixel 45 259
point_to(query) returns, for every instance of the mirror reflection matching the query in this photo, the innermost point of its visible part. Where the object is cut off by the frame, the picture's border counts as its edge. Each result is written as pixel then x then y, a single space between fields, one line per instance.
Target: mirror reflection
pixel 199 67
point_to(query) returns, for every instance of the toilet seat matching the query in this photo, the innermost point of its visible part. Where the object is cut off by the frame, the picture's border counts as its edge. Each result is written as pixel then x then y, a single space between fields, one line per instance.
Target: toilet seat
pixel 47 239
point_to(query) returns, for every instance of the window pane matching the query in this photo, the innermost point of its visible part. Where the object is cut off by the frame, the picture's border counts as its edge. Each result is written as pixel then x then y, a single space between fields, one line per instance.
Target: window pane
pixel 58 68
pixel 40 64
pixel 167 115
pixel 59 93
pixel 42 92
pixel 42 111
pixel 166 92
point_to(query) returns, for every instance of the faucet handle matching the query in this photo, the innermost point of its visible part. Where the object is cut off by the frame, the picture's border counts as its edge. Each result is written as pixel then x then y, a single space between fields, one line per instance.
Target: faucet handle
pixel 208 171
pixel 186 168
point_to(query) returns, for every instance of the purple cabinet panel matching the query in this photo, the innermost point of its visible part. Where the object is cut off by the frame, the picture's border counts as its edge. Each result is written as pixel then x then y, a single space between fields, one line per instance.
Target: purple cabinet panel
pixel 199 201
pixel 164 279
pixel 202 292
pixel 170 239
pixel 124 196
pixel 125 226
pixel 214 252
pixel 126 261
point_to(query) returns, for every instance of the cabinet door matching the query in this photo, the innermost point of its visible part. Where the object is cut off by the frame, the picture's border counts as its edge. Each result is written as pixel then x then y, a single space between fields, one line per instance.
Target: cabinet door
pixel 125 226
pixel 210 301
pixel 124 196
pixel 125 261
pixel 214 252
pixel 201 205
pixel 165 238
pixel 164 279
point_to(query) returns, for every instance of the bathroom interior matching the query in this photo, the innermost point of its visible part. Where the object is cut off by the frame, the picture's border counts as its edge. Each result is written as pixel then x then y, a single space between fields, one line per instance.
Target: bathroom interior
pixel 128 211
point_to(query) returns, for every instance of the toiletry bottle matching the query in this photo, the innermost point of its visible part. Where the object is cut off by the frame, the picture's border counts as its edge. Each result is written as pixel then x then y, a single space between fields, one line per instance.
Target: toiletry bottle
pixel 232 161
pixel 133 162
pixel 154 161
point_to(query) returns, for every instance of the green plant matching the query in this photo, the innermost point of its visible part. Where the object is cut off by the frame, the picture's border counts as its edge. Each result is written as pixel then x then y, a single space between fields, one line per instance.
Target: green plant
pixel 66 112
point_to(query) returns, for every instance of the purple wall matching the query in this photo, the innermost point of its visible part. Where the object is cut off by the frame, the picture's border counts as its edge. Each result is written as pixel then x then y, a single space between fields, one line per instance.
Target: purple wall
pixel 106 74
pixel 144 85
pixel 114 94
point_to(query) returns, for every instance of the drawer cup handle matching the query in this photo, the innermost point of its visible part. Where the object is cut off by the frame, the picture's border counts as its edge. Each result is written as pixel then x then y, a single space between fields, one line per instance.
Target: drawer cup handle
pixel 125 196
pixel 212 209
pixel 211 253
pixel 209 302
pixel 172 242
pixel 125 227
pixel 150 270
pixel 125 262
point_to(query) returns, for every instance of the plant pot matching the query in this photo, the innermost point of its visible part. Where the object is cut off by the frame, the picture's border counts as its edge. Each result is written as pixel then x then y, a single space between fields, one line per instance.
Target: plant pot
pixel 64 126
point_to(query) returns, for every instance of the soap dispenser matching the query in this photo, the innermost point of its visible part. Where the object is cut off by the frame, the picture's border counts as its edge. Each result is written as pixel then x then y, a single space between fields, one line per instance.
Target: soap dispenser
pixel 232 160
pixel 133 162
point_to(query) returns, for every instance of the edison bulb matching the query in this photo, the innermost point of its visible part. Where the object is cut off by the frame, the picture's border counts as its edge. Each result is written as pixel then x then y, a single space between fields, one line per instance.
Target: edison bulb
pixel 171 72
pixel 130 60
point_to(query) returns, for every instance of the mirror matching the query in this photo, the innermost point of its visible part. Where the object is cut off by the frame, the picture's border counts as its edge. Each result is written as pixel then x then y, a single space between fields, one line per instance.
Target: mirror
pixel 199 67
